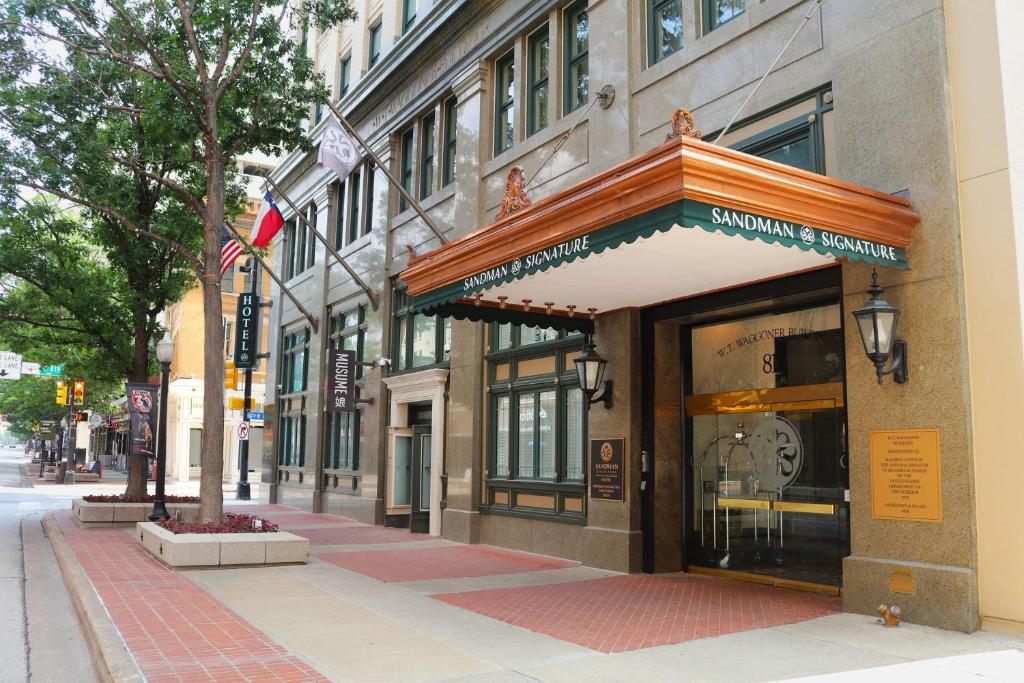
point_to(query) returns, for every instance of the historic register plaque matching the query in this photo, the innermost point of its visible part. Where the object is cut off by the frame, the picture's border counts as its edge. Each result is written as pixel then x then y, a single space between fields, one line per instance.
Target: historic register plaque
pixel 606 465
pixel 905 480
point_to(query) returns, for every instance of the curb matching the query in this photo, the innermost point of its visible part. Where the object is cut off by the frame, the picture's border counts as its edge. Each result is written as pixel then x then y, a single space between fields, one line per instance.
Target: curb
pixel 110 655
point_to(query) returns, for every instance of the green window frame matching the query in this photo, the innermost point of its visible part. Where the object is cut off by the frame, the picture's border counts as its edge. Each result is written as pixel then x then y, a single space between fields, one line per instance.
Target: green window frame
pixel 536 420
pixel 353 204
pixel 300 251
pixel 576 49
pixel 538 52
pixel 373 54
pixel 419 341
pixel 406 167
pixel 318 112
pixel 427 156
pixel 310 240
pixel 290 237
pixel 344 430
pixel 371 174
pixel 717 13
pixel 664 29
pixel 408 15
pixel 504 101
pixel 304 38
pixel 344 75
pixel 450 127
pixel 339 215
pixel 294 373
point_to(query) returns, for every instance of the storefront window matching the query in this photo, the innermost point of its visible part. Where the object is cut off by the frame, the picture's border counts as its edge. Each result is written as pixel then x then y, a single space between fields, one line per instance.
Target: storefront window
pixel 292 401
pixel 419 340
pixel 344 430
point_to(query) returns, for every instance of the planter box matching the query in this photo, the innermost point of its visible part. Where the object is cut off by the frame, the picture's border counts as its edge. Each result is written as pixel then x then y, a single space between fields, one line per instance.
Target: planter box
pixel 120 513
pixel 221 550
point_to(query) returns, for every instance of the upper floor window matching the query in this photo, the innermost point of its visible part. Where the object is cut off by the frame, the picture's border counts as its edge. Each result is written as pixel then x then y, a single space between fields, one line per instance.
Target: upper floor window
pixel 715 13
pixel 537 99
pixel 577 38
pixel 374 42
pixel 427 156
pixel 339 215
pixel 304 39
pixel 368 211
pixel 450 123
pixel 227 283
pixel 419 340
pixel 344 75
pixel 664 29
pixel 504 97
pixel 406 160
pixel 354 197
pixel 318 112
pixel 408 14
pixel 300 250
pixel 294 361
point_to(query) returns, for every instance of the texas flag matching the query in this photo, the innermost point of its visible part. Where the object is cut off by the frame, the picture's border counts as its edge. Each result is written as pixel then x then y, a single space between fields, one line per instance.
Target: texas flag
pixel 268 222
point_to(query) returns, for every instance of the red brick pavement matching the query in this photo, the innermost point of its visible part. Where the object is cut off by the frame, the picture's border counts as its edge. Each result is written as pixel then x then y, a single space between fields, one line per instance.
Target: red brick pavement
pixel 420 564
pixel 175 630
pixel 356 535
pixel 622 613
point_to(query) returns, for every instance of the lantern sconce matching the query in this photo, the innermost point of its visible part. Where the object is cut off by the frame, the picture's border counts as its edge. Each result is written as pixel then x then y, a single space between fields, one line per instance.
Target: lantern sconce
pixel 590 367
pixel 878 322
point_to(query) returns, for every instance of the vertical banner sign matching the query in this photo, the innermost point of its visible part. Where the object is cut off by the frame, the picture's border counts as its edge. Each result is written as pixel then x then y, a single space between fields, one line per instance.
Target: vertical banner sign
pixel 142 399
pixel 341 381
pixel 247 330
pixel 606 465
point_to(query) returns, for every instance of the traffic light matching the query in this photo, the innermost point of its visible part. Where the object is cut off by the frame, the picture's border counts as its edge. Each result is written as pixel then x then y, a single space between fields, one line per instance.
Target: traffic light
pixel 230 375
pixel 62 394
pixel 236 402
pixel 79 398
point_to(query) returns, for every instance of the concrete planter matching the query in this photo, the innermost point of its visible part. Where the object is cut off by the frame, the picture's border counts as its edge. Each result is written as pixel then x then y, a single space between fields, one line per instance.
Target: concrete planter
pixel 221 550
pixel 120 513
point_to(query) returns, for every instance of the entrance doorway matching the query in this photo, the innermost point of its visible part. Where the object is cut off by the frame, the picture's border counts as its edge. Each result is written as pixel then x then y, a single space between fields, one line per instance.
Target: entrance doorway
pixel 419 517
pixel 744 434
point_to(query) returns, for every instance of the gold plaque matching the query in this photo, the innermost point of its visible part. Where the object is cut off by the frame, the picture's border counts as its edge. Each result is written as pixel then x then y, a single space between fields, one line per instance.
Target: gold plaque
pixel 905 480
pixel 902 581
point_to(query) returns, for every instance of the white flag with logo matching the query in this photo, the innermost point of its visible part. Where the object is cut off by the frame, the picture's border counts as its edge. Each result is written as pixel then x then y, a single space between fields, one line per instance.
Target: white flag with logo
pixel 337 150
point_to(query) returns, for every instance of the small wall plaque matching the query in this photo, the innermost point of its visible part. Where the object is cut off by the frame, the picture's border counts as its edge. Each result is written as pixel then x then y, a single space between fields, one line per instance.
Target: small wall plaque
pixel 607 466
pixel 905 479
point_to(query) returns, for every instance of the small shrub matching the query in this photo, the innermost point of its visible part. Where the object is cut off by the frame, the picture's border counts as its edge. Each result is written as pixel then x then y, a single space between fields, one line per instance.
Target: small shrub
pixel 232 524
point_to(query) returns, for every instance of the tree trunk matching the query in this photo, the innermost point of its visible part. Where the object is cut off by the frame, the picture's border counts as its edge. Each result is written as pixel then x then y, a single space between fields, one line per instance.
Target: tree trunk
pixel 137 465
pixel 211 493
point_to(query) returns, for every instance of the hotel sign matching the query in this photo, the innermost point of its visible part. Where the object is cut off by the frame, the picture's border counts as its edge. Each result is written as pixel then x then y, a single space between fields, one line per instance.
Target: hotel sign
pixel 905 479
pixel 246 327
pixel 341 381
pixel 606 468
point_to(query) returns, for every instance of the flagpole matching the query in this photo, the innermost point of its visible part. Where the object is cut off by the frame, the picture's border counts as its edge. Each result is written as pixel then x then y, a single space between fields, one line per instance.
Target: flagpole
pixel 252 252
pixel 394 181
pixel 374 299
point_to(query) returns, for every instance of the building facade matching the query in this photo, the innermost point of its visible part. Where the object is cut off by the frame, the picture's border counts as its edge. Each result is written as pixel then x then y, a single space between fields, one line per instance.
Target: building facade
pixel 747 434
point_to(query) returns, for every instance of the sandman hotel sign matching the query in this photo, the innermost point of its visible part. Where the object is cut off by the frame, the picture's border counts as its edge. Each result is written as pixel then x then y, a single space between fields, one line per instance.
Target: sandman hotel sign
pixel 578 246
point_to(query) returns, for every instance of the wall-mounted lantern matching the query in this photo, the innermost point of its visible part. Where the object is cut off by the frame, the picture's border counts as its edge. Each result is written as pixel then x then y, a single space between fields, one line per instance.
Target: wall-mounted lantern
pixel 878 321
pixel 590 367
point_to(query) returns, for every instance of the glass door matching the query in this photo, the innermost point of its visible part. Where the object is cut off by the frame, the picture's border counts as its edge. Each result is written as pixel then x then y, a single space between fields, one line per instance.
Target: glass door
pixel 400 471
pixel 419 522
pixel 767 460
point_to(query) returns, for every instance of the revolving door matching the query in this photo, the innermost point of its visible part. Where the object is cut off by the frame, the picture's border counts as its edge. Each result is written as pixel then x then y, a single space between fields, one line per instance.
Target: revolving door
pixel 768 469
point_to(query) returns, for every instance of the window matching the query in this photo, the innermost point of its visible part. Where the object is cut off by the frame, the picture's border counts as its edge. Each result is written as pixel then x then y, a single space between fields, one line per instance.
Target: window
pixel 300 249
pixel 408 14
pixel 537 411
pixel 318 112
pixel 310 239
pixel 718 12
pixel 537 103
pixel 504 96
pixel 294 373
pixel 577 82
pixel 450 123
pixel 228 350
pixel 227 283
pixel 664 29
pixel 427 156
pixel 374 54
pixel 368 211
pixel 344 75
pixel 353 205
pixel 339 215
pixel 406 168
pixel 304 40
pixel 419 340
pixel 344 430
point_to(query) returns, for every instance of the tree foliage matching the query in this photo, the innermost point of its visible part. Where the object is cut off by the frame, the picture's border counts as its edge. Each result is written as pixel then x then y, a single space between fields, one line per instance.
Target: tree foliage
pixel 193 86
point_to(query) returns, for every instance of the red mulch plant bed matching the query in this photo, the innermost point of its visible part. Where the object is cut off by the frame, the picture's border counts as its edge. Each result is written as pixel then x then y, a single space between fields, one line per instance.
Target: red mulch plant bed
pixel 232 524
pixel 122 498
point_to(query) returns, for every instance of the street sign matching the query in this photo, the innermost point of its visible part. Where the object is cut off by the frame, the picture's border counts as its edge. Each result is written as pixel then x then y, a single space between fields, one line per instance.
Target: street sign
pixel 29 368
pixel 253 415
pixel 10 365
pixel 96 420
pixel 52 370
pixel 242 431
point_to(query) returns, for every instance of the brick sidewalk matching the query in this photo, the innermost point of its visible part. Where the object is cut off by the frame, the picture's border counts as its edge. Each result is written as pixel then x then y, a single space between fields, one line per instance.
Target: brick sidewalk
pixel 175 630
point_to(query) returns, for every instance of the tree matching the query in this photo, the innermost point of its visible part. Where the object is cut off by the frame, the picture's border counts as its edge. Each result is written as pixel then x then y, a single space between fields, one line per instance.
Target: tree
pixel 218 79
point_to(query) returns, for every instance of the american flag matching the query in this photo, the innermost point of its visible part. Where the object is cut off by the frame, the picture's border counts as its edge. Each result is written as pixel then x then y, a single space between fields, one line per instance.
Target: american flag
pixel 230 250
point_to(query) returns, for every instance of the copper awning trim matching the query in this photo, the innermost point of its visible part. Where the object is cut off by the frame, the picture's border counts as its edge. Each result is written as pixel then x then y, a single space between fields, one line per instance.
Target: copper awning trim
pixel 710 173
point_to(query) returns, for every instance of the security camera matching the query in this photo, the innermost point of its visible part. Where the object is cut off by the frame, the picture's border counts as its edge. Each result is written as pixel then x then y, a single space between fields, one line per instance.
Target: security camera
pixel 384 362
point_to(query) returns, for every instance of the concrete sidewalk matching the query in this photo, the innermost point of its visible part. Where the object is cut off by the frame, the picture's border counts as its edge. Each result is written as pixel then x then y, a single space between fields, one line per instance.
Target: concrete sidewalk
pixel 379 604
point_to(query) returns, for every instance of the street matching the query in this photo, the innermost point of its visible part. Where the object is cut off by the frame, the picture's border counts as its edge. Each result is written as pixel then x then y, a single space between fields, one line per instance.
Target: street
pixel 40 635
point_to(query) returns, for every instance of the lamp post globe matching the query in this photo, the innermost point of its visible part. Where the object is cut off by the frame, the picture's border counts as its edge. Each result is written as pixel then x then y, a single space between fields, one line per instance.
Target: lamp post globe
pixel 878 322
pixel 164 354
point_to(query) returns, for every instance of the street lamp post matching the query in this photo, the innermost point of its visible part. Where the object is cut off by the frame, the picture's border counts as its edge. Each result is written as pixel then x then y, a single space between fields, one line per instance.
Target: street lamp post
pixel 164 354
